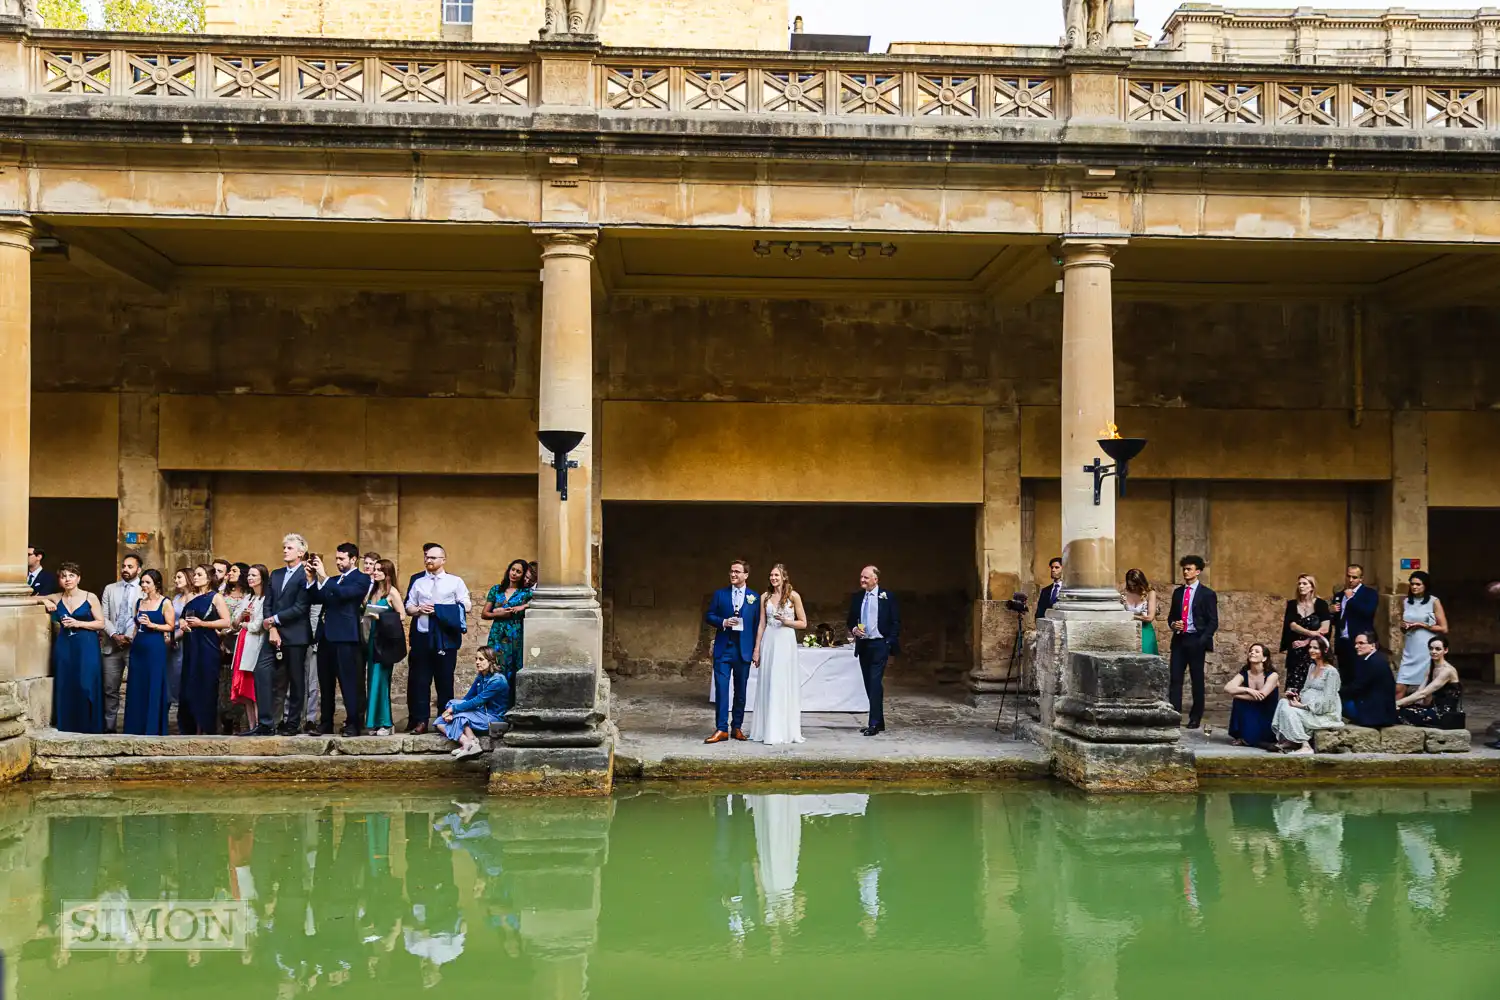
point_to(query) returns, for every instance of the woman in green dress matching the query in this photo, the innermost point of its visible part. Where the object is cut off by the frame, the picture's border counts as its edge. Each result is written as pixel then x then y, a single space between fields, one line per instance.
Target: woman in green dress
pixel 505 606
pixel 384 605
pixel 1140 601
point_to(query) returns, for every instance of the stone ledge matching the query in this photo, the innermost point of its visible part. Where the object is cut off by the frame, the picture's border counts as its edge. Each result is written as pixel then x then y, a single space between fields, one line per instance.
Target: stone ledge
pixel 422 767
pixel 788 768
pixel 1391 740
pixel 51 743
pixel 1331 769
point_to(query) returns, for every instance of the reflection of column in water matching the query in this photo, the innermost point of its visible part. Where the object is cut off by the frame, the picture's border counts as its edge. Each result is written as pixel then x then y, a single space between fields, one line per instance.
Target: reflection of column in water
pixel 552 855
pixel 869 898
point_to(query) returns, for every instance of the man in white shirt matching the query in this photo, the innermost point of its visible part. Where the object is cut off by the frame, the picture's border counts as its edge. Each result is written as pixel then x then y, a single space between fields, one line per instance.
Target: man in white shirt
pixel 430 666
pixel 119 602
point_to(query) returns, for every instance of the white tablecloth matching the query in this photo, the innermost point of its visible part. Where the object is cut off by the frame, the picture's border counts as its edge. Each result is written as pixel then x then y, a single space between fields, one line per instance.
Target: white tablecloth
pixel 831 681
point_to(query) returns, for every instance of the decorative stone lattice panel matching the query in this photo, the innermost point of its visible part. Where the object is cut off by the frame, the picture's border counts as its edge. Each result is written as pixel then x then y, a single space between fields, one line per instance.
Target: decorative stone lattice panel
pixel 76 72
pixel 1233 103
pixel 716 90
pixel 1379 106
pixel 493 83
pixel 1314 104
pixel 329 79
pixel 794 90
pixel 1454 107
pixel 870 93
pixel 629 89
pixel 414 82
pixel 162 74
pixel 1025 97
pixel 247 77
pixel 1157 101
pixel 948 95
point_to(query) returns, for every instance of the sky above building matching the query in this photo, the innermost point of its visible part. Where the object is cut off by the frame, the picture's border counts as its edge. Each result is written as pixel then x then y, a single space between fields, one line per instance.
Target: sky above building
pixel 1015 22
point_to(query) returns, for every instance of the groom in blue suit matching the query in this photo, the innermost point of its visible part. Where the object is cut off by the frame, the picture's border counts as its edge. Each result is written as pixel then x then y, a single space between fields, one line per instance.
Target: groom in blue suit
pixel 734 613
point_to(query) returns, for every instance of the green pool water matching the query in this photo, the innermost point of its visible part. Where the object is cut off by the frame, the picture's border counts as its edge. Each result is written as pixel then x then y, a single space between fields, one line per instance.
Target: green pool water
pixel 1028 894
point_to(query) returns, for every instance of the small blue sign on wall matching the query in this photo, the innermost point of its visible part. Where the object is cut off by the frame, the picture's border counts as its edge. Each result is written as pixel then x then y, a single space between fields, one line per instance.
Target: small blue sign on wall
pixel 1409 564
pixel 137 538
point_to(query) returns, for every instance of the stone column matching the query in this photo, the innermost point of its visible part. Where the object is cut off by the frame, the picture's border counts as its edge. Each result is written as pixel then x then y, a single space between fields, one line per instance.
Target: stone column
pixel 999 550
pixel 557 703
pixel 1401 521
pixel 1088 406
pixel 23 623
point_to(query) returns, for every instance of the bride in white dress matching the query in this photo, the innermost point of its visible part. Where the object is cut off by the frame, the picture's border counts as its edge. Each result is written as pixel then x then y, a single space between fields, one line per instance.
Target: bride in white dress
pixel 778 697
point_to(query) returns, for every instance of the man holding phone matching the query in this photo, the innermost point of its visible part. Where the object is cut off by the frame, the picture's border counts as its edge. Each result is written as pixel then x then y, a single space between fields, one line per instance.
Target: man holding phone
pixel 735 613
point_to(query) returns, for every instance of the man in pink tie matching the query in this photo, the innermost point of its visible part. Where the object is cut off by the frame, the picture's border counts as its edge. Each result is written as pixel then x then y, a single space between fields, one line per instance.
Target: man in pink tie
pixel 1193 617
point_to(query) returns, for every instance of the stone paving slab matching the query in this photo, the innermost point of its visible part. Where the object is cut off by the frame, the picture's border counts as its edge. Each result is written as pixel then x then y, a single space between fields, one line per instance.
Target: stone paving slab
pixel 1219 762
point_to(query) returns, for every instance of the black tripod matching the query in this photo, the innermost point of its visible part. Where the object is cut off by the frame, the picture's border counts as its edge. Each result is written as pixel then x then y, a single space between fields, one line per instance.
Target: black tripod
pixel 1017 659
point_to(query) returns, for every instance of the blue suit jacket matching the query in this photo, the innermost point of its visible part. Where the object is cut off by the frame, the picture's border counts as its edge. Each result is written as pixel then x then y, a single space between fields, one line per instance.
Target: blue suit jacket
pixel 341 602
pixel 1358 613
pixel 722 607
pixel 46 583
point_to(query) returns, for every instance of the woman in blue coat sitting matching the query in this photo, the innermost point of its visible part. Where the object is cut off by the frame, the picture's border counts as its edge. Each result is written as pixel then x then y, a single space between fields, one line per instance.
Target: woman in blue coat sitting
pixel 487 701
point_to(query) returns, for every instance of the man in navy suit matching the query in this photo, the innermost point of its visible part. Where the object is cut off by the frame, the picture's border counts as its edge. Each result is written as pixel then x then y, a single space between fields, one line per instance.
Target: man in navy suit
pixel 735 613
pixel 875 622
pixel 281 671
pixel 1370 697
pixel 1193 617
pixel 1049 595
pixel 1353 612
pixel 338 637
pixel 43 581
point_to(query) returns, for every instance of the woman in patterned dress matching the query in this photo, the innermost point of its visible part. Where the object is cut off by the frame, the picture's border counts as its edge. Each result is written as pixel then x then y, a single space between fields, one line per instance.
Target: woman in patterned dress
pixel 505 605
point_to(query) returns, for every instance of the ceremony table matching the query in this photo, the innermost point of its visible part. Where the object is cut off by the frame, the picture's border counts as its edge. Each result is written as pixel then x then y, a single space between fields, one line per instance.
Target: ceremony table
pixel 831 681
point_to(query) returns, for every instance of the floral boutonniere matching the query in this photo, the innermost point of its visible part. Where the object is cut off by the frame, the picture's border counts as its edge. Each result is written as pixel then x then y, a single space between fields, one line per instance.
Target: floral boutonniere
pixel 749 598
pixel 881 596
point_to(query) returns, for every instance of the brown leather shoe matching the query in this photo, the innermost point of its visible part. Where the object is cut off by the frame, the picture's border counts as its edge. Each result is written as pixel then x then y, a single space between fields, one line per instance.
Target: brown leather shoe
pixel 719 736
pixel 739 734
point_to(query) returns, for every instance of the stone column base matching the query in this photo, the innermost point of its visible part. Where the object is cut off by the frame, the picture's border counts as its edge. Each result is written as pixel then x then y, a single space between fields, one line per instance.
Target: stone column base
pixel 1123 767
pixel 569 771
pixel 557 697
pixel 25 688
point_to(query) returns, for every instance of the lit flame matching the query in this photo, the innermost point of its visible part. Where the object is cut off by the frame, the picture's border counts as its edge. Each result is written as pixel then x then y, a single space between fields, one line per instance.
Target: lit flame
pixel 1111 431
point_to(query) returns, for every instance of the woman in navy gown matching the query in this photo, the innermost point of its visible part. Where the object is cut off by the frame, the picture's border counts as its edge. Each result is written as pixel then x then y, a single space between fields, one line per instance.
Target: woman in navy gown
pixel 147 698
pixel 77 667
pixel 1255 692
pixel 202 617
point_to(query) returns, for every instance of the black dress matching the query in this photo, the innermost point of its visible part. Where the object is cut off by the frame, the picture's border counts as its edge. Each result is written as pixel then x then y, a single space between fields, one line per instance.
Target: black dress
pixel 1445 712
pixel 1298 660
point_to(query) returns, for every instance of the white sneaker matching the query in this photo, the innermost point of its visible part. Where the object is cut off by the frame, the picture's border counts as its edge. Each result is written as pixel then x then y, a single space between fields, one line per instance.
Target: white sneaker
pixel 455 751
pixel 472 750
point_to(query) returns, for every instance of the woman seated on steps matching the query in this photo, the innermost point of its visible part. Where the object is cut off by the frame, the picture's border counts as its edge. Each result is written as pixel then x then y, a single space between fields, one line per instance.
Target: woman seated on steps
pixel 1315 707
pixel 1438 703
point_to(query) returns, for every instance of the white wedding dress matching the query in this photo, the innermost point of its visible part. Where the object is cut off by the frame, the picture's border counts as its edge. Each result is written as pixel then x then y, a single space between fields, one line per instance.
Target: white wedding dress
pixel 777 714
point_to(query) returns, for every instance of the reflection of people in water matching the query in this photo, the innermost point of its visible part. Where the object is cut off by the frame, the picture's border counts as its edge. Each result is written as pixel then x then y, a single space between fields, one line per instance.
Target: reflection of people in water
pixel 778 844
pixel 435 929
pixel 733 865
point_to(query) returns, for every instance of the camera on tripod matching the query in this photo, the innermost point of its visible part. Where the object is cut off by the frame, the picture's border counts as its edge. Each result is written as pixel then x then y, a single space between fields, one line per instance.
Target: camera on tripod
pixel 1017 603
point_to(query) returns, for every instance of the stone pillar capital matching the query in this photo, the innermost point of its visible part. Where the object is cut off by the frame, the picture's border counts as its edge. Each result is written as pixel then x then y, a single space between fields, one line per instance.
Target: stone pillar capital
pixel 567 242
pixel 16 231
pixel 1089 251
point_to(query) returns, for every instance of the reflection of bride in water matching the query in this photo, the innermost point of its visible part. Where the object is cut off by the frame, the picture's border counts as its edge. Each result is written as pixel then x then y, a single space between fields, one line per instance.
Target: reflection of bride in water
pixel 778 845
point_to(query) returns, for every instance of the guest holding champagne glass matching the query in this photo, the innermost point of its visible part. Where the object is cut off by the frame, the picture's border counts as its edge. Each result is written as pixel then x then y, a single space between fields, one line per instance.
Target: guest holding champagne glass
pixel 147 701
pixel 77 665
pixel 1140 601
pixel 1316 706
pixel 1306 617
pixel 202 618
